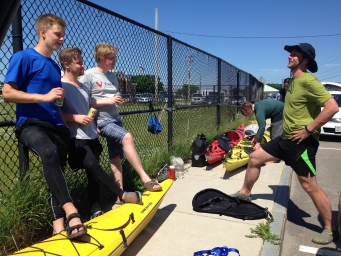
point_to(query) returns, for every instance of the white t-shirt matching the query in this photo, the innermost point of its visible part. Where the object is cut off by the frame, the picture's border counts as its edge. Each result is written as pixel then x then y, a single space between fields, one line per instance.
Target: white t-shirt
pixel 102 86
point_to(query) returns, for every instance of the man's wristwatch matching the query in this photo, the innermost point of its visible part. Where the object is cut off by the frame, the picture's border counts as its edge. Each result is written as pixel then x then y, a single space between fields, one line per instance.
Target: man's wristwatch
pixel 305 127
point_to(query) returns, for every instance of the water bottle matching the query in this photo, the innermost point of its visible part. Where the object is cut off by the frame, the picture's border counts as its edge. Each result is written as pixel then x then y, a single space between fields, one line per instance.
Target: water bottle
pixel 179 166
pixel 118 94
pixel 179 171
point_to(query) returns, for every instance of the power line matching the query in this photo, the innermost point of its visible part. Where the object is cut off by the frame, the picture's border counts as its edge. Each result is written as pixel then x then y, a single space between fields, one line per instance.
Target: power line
pixel 251 37
pixel 329 70
pixel 330 76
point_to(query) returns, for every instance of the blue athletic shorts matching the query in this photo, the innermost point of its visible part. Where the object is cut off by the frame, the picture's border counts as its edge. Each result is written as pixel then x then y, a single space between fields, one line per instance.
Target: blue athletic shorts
pixel 114 133
pixel 301 157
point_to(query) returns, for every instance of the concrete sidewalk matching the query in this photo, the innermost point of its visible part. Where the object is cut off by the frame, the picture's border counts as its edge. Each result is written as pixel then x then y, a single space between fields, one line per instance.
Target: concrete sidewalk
pixel 178 230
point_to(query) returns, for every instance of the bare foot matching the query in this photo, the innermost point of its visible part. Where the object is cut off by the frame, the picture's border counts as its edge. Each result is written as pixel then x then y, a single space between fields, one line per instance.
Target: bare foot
pixel 132 197
pixel 58 226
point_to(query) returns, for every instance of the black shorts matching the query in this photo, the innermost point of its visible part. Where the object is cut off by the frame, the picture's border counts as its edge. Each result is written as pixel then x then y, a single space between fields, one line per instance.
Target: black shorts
pixel 301 157
pixel 32 130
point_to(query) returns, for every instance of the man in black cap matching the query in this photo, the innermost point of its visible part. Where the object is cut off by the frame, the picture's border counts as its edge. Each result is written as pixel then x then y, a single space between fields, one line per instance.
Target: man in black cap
pixel 302 119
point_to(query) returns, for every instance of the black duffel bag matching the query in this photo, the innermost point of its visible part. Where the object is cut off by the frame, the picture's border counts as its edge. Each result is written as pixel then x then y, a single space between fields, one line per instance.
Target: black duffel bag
pixel 199 146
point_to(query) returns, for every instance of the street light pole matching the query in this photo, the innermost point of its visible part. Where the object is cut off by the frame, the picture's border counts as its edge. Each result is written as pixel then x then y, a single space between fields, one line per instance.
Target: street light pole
pixel 200 85
pixel 189 61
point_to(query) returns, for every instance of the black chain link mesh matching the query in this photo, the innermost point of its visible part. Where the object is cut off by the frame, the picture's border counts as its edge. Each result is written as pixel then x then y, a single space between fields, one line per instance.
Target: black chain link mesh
pixel 142 67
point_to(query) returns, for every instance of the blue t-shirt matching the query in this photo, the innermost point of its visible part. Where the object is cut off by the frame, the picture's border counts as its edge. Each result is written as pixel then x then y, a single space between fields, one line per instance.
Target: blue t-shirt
pixel 35 73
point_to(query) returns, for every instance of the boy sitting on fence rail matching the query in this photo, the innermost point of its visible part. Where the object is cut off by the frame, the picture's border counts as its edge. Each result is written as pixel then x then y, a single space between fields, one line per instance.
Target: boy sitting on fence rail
pixel 33 82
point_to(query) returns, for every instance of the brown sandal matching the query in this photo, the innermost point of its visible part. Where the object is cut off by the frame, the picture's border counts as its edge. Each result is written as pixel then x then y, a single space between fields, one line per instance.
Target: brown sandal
pixel 150 186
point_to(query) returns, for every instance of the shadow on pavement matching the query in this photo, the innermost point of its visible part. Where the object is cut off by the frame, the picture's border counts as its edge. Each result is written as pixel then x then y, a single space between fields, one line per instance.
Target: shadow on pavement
pixel 330 251
pixel 209 167
pixel 296 216
pixel 159 218
pixel 230 174
pixel 277 191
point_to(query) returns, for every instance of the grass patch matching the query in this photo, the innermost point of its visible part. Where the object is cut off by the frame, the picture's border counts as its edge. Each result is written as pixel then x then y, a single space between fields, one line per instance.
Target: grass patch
pixel 24 210
pixel 262 230
pixel 25 217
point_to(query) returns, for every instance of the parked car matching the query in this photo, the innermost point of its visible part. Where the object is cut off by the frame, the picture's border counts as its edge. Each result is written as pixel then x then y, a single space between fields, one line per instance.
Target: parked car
pixel 209 99
pixel 333 126
pixel 136 97
pixel 164 98
pixel 197 98
pixel 145 97
pixel 331 86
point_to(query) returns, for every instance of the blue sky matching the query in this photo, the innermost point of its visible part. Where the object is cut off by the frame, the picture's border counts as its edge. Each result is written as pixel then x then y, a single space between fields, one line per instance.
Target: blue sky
pixel 230 28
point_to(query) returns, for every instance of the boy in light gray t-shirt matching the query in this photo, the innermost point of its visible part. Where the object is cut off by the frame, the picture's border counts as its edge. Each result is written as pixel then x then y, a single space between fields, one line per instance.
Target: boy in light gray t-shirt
pixel 103 87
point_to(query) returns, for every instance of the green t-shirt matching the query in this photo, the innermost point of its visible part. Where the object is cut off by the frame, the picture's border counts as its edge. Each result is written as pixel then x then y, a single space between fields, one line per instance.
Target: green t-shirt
pixel 303 102
pixel 264 109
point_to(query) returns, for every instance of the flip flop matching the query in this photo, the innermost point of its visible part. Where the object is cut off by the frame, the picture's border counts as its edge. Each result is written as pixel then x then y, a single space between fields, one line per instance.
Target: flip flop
pixel 150 186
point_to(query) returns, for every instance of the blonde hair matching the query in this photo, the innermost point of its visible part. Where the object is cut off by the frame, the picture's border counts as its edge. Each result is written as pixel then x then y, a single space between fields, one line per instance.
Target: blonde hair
pixel 47 21
pixel 246 108
pixel 102 50
pixel 68 55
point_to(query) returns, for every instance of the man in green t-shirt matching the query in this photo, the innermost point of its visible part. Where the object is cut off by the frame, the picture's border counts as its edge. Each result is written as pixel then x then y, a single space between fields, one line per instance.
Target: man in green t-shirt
pixel 302 119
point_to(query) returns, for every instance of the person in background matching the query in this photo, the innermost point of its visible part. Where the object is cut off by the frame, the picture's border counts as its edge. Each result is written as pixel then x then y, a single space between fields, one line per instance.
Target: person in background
pixel 264 109
pixel 33 82
pixel 278 95
pixel 302 120
pixel 284 89
pixel 103 86
pixel 84 147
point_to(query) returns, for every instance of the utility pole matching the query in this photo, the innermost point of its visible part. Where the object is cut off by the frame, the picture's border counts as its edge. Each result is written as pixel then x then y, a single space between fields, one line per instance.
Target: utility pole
pixel 189 61
pixel 156 54
pixel 200 84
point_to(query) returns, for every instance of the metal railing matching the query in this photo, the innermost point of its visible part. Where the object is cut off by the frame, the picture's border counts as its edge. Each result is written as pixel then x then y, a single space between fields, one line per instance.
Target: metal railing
pixel 149 61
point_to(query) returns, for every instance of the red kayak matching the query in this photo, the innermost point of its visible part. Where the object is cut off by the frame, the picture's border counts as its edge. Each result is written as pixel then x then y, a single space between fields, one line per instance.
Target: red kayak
pixel 223 143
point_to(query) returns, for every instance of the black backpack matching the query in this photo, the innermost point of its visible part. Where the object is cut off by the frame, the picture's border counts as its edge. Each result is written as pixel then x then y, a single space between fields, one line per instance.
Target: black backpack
pixel 214 201
pixel 199 146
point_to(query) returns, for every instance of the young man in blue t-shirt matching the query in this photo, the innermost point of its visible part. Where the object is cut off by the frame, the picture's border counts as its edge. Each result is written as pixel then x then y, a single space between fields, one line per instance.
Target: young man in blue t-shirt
pixel 33 82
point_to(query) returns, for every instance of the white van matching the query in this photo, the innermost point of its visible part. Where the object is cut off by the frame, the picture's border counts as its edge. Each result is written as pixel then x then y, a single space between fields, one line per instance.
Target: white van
pixel 332 86
pixel 333 126
pixel 197 98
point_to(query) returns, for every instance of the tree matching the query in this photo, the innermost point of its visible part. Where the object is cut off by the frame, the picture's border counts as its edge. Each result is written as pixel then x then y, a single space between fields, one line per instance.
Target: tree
pixel 146 84
pixel 184 90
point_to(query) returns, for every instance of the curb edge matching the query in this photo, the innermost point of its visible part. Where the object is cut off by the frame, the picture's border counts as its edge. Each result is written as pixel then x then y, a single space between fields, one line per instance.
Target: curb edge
pixel 279 213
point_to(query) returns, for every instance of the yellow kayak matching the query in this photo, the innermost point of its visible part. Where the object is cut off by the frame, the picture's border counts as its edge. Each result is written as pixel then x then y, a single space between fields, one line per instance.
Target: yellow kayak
pixel 237 157
pixel 108 234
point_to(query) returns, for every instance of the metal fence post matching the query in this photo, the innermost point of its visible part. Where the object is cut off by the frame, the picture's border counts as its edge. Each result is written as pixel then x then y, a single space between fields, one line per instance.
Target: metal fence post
pixel 170 90
pixel 18 46
pixel 17 31
pixel 238 86
pixel 219 94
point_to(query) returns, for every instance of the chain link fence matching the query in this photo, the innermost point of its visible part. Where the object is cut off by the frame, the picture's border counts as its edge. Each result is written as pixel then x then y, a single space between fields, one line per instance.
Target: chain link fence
pixel 157 74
